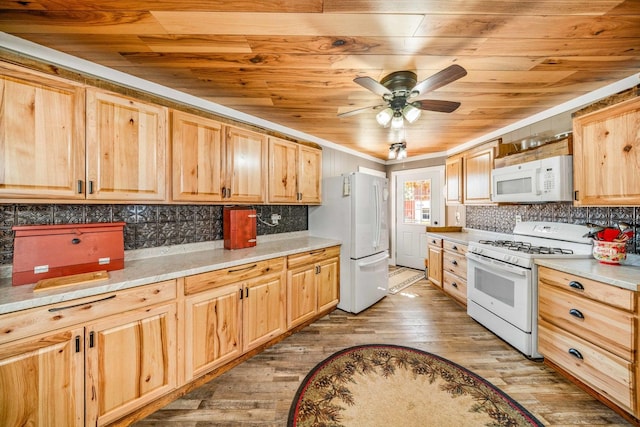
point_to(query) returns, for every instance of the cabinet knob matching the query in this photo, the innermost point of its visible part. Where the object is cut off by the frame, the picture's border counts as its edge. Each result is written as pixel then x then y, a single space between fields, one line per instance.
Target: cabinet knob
pixel 75 241
pixel 454 262
pixel 454 247
pixel 454 284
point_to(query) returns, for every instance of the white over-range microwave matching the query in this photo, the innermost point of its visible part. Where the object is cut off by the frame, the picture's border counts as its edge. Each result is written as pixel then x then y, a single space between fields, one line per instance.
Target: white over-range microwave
pixel 545 180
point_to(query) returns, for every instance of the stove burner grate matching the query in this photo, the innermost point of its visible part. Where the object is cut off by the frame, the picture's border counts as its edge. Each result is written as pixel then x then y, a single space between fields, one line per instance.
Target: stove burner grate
pixel 526 247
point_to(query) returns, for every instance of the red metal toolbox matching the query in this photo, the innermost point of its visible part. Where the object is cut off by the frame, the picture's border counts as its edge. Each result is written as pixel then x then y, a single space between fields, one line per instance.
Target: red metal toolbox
pixel 45 251
pixel 238 227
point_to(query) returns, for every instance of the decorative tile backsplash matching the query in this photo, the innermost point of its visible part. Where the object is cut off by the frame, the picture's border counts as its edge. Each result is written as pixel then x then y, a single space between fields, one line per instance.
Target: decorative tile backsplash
pixel 147 226
pixel 502 219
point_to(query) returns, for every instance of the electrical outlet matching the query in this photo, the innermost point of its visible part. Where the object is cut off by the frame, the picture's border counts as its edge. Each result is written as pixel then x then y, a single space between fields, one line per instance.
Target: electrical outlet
pixel 518 218
pixel 275 218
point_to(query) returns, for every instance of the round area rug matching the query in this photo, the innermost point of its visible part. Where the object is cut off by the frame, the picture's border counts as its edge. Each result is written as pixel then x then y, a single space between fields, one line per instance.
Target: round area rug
pixel 389 385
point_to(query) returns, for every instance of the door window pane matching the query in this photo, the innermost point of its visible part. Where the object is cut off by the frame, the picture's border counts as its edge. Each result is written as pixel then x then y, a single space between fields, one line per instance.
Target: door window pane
pixel 417 202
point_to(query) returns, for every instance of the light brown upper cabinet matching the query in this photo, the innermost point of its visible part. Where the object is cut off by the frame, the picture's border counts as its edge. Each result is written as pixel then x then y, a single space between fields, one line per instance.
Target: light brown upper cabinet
pixel 126 148
pixel 295 172
pixel 197 158
pixel 606 155
pixel 454 179
pixel 41 135
pixel 245 174
pixel 212 162
pixel 478 163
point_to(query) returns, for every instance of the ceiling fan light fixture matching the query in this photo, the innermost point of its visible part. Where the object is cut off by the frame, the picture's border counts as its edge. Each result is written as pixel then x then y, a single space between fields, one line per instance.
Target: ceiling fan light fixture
pixel 398 121
pixel 398 151
pixel 411 113
pixel 384 117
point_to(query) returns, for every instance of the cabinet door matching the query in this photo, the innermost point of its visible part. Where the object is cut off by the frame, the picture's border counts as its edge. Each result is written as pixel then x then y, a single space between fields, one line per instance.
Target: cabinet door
pixel 246 159
pixel 301 295
pixel 283 171
pixel 606 156
pixel 126 148
pixel 309 176
pixel 212 329
pixel 41 137
pixel 453 173
pixel 263 310
pixel 131 360
pixel 42 381
pixel 477 176
pixel 328 283
pixel 197 154
pixel 435 265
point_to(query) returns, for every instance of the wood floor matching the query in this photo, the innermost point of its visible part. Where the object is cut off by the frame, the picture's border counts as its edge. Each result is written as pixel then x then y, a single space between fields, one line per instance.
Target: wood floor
pixel 259 391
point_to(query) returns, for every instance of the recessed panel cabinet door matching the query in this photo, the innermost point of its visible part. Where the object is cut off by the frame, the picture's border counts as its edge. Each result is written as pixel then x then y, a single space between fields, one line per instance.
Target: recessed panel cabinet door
pixel 283 171
pixel 126 148
pixel 212 329
pixel 328 283
pixel 131 360
pixel 301 295
pixel 309 177
pixel 41 137
pixel 245 174
pixel 42 381
pixel 263 310
pixel 197 161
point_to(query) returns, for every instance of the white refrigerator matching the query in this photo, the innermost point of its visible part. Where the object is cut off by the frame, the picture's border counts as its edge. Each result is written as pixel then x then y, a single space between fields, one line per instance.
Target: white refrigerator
pixel 354 210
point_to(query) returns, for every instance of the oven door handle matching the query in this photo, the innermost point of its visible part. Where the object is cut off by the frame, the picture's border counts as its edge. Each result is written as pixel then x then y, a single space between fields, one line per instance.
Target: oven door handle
pixel 498 265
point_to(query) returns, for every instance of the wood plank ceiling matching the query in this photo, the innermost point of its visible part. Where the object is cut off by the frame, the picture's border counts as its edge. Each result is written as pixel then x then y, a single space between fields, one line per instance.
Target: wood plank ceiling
pixel 293 62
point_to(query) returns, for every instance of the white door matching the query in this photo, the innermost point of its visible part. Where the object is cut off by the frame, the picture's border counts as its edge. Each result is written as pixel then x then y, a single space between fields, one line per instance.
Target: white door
pixel 419 203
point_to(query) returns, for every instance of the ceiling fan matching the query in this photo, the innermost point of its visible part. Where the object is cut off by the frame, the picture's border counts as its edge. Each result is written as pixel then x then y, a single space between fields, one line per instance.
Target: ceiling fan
pixel 404 96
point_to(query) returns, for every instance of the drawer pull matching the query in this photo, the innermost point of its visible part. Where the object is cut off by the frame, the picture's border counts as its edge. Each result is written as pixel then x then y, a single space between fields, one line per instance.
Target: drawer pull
pixel 242 269
pixel 454 284
pixel 66 307
pixel 317 252
pixel 576 313
pixel 75 241
pixel 454 262
pixel 576 285
pixel 575 353
pixel 454 247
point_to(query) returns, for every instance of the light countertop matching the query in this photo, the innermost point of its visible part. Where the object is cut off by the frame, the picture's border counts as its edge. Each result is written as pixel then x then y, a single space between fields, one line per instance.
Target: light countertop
pixel 164 264
pixel 625 275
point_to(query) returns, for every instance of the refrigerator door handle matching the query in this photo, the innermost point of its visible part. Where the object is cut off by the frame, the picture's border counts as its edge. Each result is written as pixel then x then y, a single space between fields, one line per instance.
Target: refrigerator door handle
pixel 375 261
pixel 376 189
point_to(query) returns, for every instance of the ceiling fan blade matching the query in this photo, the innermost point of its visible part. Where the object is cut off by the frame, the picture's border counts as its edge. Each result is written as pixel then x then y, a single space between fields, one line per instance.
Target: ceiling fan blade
pixel 360 110
pixel 372 85
pixel 436 105
pixel 439 79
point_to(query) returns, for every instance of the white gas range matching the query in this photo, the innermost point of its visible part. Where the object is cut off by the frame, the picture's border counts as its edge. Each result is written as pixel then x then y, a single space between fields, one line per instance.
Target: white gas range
pixel 502 278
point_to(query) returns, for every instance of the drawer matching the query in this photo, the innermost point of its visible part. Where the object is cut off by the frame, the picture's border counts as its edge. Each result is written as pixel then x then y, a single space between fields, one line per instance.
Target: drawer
pixel 605 372
pixel 455 286
pixel 455 263
pixel 454 247
pixel 39 320
pixel 612 295
pixel 434 241
pixel 312 257
pixel 598 323
pixel 202 282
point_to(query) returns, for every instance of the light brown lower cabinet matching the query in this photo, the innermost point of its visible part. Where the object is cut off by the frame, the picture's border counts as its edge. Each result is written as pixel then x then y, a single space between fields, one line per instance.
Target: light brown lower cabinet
pixel 98 359
pixel 231 311
pixel 104 359
pixel 588 331
pixel 434 256
pixel 312 284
